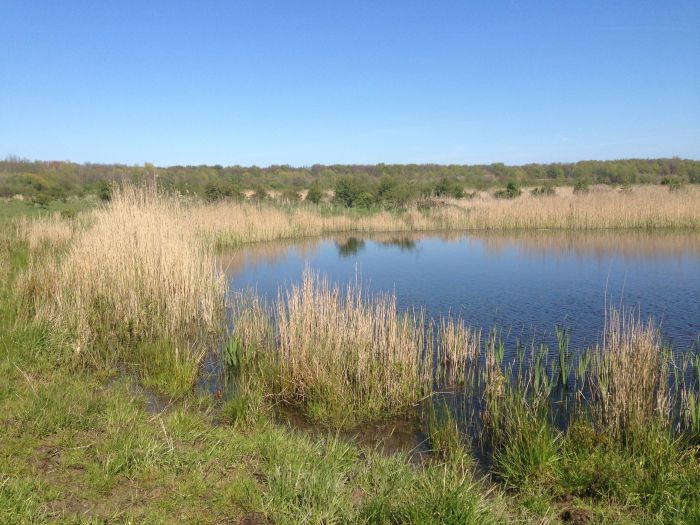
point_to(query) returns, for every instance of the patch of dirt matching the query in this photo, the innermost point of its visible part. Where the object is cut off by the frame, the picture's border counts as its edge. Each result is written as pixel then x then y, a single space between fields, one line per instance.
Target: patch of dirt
pixel 253 518
pixel 47 457
pixel 575 516
pixel 571 514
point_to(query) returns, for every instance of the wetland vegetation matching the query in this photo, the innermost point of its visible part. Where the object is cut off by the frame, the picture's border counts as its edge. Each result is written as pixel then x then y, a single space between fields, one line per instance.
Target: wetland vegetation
pixel 111 317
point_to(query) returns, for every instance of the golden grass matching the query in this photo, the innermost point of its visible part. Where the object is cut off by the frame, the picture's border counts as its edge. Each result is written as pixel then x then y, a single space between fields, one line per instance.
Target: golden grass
pixel 601 208
pixel 630 374
pixel 136 273
pixel 643 207
pixel 345 354
pixel 52 231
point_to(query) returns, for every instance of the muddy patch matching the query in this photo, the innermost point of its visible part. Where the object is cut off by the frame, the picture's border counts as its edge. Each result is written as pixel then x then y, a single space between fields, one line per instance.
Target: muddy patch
pixel 388 437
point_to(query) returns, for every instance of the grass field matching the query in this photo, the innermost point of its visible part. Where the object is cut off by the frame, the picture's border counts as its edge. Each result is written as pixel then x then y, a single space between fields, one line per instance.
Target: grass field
pixel 106 316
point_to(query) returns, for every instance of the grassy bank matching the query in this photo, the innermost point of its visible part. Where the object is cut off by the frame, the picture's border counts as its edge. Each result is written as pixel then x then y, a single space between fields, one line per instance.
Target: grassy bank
pixel 106 317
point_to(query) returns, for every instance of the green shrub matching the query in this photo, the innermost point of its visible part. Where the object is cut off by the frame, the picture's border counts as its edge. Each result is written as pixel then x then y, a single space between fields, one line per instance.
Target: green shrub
pixel 511 192
pixel 542 191
pixel 449 188
pixel 581 185
pixel 673 183
pixel 364 200
pixel 314 194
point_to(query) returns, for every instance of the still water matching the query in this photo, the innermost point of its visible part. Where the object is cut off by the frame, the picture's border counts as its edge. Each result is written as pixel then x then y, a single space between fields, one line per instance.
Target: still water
pixel 522 284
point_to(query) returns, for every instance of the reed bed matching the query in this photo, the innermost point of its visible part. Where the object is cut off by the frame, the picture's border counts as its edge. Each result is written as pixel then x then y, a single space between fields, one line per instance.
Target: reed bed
pixel 51 232
pixel 630 375
pixel 641 207
pixel 644 207
pixel 138 273
pixel 347 355
pixel 344 355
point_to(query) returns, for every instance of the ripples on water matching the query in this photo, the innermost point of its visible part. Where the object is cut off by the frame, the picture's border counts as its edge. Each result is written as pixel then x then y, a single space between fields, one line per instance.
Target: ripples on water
pixel 522 286
pixel 525 284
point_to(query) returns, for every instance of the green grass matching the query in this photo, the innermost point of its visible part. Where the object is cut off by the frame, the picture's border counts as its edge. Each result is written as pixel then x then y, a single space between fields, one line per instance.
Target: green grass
pixel 130 444
pixel 11 208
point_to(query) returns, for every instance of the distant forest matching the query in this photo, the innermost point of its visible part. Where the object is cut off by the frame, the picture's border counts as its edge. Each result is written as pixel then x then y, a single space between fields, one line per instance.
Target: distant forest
pixel 59 180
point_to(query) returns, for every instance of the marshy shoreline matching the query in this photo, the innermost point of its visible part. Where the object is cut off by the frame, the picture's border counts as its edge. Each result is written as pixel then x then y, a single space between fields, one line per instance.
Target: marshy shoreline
pixel 131 291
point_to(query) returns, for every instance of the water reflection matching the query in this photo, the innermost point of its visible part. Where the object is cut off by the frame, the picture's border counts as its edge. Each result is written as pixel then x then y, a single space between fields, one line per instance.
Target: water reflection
pixel 525 283
pixel 597 244
pixel 349 246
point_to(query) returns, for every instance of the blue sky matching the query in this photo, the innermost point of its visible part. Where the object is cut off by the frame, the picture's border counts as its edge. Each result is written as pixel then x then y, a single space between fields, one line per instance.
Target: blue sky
pixel 363 82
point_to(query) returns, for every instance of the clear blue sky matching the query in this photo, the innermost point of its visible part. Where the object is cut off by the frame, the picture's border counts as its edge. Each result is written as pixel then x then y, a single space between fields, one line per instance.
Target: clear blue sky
pixel 318 82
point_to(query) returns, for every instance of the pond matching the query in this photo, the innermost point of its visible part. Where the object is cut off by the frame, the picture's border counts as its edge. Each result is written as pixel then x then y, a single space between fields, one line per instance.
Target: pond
pixel 524 285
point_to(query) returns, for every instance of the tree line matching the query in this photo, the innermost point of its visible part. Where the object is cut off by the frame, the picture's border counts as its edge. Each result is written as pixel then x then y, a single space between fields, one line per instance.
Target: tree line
pixel 354 185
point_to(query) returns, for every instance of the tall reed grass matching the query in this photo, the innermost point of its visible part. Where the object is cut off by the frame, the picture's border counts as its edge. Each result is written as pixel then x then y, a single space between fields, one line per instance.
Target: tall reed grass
pixel 345 354
pixel 52 232
pixel 341 353
pixel 138 273
pixel 630 374
pixel 646 207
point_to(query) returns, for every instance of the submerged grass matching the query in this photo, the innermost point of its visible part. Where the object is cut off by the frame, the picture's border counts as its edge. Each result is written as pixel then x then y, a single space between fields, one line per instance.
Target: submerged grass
pixel 342 354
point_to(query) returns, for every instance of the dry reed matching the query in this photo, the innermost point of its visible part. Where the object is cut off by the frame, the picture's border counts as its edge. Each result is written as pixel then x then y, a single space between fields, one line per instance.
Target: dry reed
pixel 629 374
pixel 645 207
pixel 137 273
pixel 53 231
pixel 341 349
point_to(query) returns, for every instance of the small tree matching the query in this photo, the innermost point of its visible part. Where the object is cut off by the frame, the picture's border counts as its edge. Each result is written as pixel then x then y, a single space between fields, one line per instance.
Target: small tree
pixel 104 191
pixel 314 194
pixel 260 193
pixel 581 185
pixel 511 192
pixel 346 191
pixel 364 200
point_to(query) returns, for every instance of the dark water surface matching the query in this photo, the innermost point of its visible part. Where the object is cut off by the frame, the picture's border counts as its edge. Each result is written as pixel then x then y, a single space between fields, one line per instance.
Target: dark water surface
pixel 523 284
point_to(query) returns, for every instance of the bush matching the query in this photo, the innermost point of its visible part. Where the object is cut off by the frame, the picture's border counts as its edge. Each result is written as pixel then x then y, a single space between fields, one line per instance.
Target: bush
pixel 260 194
pixel 512 191
pixel 314 194
pixel 220 190
pixel 449 188
pixel 580 186
pixel 290 196
pixel 104 191
pixel 41 200
pixel 541 191
pixel 673 183
pixel 364 200
pixel 345 192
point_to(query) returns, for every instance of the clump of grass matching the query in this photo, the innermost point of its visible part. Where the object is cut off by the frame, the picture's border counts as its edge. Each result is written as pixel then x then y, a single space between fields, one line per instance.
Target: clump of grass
pixel 344 354
pixel 629 376
pixel 446 440
pixel 339 350
pixel 458 348
pixel 137 276
pixel 526 447
pixel 53 231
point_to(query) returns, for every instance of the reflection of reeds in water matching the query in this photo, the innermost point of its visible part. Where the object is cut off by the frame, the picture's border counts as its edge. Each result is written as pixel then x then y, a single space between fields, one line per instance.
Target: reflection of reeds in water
pixel 647 207
pixel 233 262
pixel 598 244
